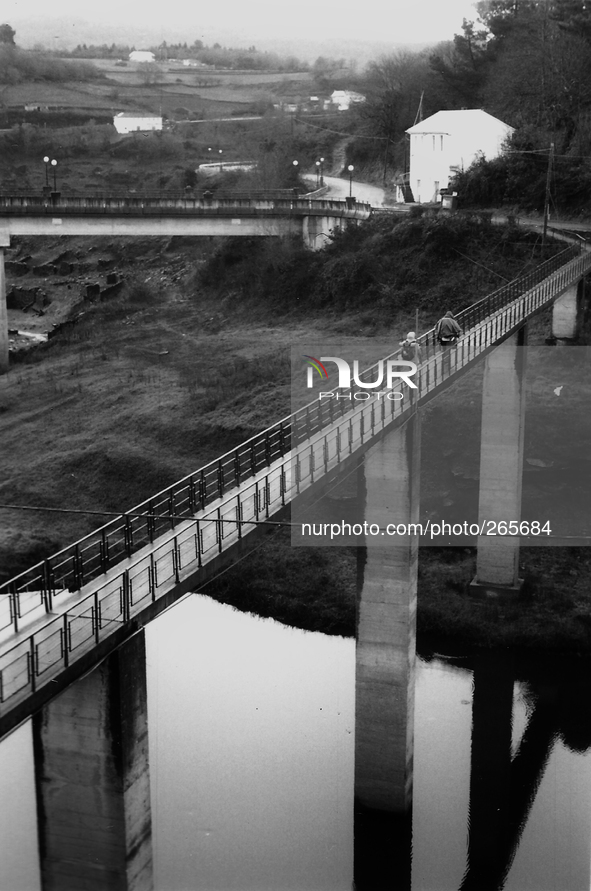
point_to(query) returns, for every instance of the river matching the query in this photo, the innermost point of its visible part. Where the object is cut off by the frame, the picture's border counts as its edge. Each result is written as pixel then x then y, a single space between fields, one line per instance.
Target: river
pixel 252 765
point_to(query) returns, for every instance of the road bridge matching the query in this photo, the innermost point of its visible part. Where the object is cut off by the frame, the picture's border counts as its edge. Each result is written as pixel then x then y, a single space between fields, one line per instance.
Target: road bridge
pixel 168 214
pixel 174 214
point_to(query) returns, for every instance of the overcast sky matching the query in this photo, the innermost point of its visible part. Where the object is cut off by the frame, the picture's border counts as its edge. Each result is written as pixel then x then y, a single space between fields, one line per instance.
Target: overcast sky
pixel 398 21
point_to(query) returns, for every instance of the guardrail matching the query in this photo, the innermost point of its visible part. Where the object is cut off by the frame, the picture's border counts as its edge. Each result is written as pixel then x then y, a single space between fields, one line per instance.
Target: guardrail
pixel 159 539
pixel 146 204
pixel 156 194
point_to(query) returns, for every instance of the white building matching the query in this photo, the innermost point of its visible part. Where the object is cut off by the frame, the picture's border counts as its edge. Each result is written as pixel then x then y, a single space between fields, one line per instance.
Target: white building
pixel 449 141
pixel 142 56
pixel 343 99
pixel 130 122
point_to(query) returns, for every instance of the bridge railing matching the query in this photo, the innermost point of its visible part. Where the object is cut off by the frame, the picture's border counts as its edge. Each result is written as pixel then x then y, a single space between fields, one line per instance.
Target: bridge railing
pixel 484 308
pixel 119 539
pixel 174 203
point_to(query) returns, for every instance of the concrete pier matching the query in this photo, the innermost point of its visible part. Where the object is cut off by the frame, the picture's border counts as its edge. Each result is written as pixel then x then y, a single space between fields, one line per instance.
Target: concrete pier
pixel 566 312
pixel 93 781
pixel 316 230
pixel 501 465
pixel 3 309
pixel 386 626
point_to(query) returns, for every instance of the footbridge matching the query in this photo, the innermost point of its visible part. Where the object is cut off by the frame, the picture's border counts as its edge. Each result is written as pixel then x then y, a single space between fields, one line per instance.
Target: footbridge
pixel 66 613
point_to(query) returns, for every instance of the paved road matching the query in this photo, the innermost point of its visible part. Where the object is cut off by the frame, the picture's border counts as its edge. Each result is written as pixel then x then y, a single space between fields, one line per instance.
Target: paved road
pixel 339 188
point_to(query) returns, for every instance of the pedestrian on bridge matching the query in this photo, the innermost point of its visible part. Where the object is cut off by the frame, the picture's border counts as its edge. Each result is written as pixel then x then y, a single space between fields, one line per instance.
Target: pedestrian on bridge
pixel 410 352
pixel 447 329
pixel 447 332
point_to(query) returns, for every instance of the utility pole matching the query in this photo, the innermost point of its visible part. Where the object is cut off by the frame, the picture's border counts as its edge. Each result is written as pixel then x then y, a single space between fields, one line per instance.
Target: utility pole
pixel 547 197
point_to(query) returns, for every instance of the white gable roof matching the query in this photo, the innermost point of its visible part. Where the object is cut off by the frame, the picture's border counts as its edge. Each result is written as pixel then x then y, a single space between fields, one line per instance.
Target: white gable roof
pixel 450 121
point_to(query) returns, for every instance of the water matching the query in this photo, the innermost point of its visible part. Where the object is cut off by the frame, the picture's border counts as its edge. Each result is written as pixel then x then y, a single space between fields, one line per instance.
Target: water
pixel 251 765
pixel 259 793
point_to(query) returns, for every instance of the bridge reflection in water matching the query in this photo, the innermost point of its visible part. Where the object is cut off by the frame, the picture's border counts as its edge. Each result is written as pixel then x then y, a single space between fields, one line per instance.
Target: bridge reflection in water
pixel 250 792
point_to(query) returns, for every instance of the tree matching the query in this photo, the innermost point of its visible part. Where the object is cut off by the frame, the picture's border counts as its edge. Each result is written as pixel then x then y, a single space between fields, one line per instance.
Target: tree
pixel 7 34
pixel 541 77
pixel 462 65
pixel 148 72
pixel 574 17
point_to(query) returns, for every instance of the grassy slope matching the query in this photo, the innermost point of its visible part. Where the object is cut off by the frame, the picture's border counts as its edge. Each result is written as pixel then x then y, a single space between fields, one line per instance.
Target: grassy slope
pixel 154 383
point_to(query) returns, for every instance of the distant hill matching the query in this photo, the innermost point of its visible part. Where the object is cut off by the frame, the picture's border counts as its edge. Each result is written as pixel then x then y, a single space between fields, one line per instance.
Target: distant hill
pixel 66 33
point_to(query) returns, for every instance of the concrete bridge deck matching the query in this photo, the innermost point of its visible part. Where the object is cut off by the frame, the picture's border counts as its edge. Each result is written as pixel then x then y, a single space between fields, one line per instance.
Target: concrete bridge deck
pixel 63 615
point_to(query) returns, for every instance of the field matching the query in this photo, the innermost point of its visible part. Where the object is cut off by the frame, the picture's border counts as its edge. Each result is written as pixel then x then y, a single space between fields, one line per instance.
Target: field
pixel 213 93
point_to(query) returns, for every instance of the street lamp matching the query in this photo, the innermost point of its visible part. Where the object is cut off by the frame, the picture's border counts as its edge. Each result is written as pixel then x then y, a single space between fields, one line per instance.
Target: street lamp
pixel 295 167
pixel 317 173
pixel 321 170
pixel 220 152
pixel 54 165
pixel 350 168
pixel 46 162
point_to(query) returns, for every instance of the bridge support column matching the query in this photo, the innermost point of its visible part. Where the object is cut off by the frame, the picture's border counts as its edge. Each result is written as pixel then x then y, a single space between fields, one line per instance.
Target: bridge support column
pixel 385 663
pixel 4 242
pixel 92 778
pixel 566 313
pixel 386 625
pixel 501 466
pixel 316 230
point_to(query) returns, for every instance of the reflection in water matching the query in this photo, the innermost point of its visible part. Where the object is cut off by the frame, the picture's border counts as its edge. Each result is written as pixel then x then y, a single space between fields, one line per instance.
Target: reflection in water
pixel 19 859
pixel 251 751
pixel 441 776
pixel 524 784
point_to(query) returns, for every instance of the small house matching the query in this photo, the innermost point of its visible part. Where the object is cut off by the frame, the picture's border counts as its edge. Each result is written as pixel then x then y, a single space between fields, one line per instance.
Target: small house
pixel 142 56
pixel 449 141
pixel 344 99
pixel 131 122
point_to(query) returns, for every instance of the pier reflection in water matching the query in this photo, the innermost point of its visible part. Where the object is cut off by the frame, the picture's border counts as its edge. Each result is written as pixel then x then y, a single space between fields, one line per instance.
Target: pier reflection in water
pixel 251 766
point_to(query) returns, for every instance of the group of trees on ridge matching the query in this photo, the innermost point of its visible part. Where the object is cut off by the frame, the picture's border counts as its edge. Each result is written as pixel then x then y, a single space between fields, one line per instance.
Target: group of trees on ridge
pixel 18 65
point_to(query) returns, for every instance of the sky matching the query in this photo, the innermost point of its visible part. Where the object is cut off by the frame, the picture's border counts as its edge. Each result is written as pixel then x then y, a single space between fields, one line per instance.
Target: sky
pixel 396 21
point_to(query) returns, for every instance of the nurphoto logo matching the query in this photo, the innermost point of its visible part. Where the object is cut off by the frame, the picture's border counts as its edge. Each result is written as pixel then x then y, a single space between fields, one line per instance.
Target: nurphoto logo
pixel 388 372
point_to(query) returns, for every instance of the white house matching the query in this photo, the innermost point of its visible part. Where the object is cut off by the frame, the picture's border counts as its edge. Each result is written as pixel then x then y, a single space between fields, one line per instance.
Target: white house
pixel 130 122
pixel 449 141
pixel 343 99
pixel 142 56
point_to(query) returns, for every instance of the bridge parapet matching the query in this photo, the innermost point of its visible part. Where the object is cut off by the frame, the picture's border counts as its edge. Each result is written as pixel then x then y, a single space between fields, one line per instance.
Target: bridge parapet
pixel 235 206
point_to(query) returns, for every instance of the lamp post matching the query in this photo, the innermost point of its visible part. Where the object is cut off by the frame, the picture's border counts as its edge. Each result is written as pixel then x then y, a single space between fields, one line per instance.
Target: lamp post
pixel 220 152
pixel 46 162
pixel 295 167
pixel 54 165
pixel 321 171
pixel 317 173
pixel 350 168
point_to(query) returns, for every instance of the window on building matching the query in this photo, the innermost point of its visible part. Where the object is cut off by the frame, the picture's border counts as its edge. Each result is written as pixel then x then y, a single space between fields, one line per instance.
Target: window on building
pixel 433 143
pixel 441 145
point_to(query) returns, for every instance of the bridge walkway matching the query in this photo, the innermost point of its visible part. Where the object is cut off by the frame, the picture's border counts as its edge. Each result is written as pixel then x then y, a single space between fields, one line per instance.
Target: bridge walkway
pixel 61 616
